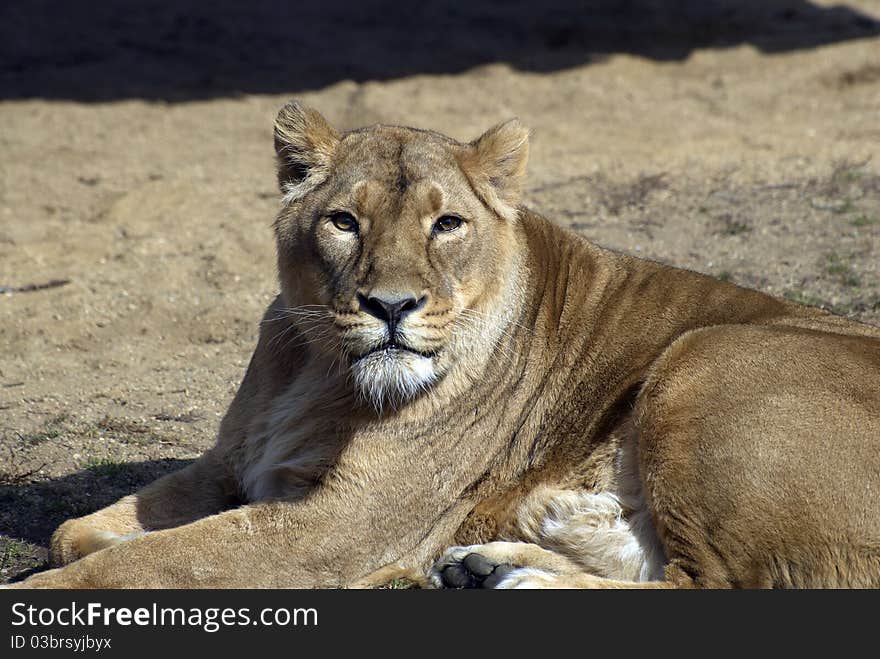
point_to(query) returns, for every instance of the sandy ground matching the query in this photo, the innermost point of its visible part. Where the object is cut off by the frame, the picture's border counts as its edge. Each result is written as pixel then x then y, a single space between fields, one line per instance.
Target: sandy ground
pixel 740 139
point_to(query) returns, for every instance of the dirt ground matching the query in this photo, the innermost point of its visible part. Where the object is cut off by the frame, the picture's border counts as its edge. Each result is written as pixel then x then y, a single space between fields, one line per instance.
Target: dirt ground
pixel 740 139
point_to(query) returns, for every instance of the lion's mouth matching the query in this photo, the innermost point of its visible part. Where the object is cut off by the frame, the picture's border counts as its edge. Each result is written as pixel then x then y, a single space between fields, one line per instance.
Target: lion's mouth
pixel 392 348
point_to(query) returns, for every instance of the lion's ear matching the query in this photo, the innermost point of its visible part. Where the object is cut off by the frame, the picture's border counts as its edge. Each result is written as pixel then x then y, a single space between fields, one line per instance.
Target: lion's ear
pixel 496 164
pixel 305 144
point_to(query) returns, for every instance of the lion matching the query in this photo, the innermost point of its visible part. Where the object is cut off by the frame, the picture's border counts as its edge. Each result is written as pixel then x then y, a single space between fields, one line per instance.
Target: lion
pixel 451 388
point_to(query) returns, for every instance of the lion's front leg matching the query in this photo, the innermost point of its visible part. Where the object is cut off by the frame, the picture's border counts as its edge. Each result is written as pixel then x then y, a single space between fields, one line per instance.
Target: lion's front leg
pixel 235 548
pixel 266 545
pixel 178 498
pixel 508 565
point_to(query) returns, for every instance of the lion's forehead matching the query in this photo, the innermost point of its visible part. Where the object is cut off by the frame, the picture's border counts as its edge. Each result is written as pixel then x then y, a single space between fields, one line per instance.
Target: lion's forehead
pixel 397 157
pixel 377 199
pixel 391 176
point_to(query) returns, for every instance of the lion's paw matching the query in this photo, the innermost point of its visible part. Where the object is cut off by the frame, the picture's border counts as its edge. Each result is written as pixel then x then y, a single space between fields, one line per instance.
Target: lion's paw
pixel 74 539
pixel 465 567
pixel 502 565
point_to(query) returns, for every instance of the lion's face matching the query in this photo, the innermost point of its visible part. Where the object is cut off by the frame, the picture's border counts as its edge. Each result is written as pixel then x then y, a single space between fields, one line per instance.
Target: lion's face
pixel 395 246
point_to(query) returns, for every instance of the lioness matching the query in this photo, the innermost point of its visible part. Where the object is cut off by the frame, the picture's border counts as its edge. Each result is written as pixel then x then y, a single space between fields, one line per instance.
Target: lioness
pixel 445 367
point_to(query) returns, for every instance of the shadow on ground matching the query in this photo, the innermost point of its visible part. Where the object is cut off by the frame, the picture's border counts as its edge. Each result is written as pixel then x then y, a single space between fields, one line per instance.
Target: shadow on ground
pixel 188 49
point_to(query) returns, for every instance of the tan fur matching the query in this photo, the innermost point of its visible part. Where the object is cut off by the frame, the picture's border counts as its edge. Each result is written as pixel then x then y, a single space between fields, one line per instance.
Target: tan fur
pixel 590 419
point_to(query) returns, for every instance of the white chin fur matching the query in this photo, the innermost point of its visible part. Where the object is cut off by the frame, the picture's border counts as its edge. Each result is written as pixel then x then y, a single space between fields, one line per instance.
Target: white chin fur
pixel 392 376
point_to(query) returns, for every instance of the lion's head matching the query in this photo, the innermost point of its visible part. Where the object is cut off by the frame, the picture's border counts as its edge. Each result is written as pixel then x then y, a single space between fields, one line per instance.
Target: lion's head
pixel 396 247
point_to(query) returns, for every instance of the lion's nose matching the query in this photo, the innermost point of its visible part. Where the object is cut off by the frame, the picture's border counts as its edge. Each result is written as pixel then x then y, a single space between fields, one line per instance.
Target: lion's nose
pixel 391 309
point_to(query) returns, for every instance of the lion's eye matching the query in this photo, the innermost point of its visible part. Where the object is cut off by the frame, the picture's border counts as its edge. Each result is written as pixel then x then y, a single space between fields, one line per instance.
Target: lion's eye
pixel 344 222
pixel 446 224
